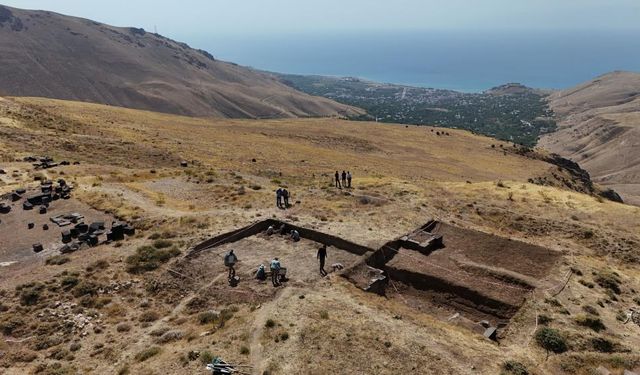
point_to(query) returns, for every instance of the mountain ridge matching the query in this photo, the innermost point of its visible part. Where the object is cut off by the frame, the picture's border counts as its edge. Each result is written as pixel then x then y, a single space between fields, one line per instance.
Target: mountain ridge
pixel 62 57
pixel 598 127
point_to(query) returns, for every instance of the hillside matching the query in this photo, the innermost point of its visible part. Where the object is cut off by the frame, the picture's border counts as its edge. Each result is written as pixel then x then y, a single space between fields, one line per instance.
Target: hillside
pixel 600 129
pixel 552 270
pixel 511 112
pixel 50 55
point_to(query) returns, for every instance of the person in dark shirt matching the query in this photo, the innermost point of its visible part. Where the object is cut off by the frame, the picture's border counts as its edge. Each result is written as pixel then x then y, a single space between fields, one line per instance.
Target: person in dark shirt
pixel 230 260
pixel 279 197
pixel 285 196
pixel 344 179
pixel 338 180
pixel 322 256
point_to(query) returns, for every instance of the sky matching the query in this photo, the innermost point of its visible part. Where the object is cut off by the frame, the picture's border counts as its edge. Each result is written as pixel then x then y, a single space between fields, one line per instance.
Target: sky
pixel 185 18
pixel 467 45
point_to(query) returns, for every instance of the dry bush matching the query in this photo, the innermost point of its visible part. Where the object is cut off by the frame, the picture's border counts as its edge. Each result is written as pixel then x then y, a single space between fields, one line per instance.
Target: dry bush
pixel 170 336
pixel 30 294
pixel 57 260
pixel 101 264
pixel 149 316
pixel 149 258
pixel 123 327
pixel 147 353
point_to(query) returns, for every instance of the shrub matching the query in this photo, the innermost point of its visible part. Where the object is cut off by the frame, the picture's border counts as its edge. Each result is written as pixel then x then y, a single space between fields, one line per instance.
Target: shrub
pixel 544 319
pixel 590 310
pixel 148 258
pixel 224 316
pixel 85 288
pixel 57 260
pixel 284 336
pixel 207 317
pixel 147 353
pixel 602 345
pixel 553 302
pixel 270 323
pixel 324 314
pixel 162 244
pixel 69 282
pixel 159 331
pixel 244 350
pixel 124 370
pixel 25 356
pixel 30 294
pixel 9 325
pixel 170 336
pixel 123 327
pixel 149 316
pixel 98 265
pixel 588 284
pixel 551 340
pixel 591 322
pixel 514 368
pixel 609 280
pixel 206 357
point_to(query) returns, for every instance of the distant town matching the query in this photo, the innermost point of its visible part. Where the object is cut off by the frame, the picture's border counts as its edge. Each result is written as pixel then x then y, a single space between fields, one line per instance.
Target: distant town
pixel 511 112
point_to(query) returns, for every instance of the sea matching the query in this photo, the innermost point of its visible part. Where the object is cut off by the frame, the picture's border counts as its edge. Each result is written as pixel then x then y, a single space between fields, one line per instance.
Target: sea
pixel 468 61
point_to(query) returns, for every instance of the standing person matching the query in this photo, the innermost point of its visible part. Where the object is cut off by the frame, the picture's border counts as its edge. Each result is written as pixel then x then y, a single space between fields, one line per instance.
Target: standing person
pixel 344 179
pixel 338 180
pixel 285 196
pixel 230 260
pixel 349 179
pixel 275 272
pixel 279 198
pixel 322 256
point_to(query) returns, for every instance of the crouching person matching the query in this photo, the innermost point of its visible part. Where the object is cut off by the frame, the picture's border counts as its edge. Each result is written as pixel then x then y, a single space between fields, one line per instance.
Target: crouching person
pixel 261 274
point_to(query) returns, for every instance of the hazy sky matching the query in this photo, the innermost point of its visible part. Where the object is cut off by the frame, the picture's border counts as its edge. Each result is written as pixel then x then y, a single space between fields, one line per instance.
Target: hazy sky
pixel 186 18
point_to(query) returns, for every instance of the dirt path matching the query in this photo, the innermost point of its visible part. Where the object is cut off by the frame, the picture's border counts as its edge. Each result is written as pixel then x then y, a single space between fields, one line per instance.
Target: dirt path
pixel 154 210
pixel 139 200
pixel 260 317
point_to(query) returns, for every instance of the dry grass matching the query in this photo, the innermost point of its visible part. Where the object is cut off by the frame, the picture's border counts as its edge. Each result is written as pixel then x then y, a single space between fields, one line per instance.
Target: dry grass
pixel 405 176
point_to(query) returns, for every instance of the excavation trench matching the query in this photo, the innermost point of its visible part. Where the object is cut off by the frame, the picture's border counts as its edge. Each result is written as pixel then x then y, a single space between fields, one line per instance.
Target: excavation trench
pixel 475 273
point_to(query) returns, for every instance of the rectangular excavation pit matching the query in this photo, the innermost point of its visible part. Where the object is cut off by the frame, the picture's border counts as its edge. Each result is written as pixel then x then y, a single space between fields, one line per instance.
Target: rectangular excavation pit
pixel 262 226
pixel 203 267
pixel 478 275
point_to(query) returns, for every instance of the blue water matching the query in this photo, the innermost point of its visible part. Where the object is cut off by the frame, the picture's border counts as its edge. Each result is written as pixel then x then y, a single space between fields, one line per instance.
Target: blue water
pixel 464 61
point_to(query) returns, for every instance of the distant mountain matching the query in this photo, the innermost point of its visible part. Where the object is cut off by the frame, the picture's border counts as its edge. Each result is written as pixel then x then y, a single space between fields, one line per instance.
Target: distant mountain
pixel 600 128
pixel 513 89
pixel 511 112
pixel 51 55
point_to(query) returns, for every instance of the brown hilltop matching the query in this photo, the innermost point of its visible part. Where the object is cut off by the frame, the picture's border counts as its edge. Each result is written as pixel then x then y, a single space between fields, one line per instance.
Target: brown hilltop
pixel 51 55
pixel 599 127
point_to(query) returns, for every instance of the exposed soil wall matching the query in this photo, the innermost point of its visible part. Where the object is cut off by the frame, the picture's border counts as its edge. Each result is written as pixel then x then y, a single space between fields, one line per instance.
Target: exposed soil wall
pixel 457 294
pixel 261 226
